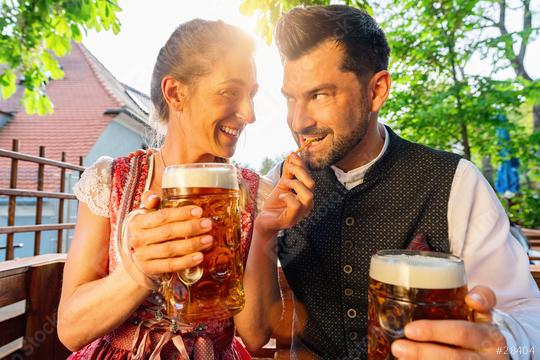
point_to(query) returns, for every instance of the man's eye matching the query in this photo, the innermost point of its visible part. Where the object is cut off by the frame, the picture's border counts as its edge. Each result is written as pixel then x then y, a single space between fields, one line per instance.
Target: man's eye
pixel 320 96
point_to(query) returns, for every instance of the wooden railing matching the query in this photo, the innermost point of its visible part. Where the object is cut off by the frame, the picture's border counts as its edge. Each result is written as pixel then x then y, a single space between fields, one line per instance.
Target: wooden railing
pixel 28 308
pixel 13 193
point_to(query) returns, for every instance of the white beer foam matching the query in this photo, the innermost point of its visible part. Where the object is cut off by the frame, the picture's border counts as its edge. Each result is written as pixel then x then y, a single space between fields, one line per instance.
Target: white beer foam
pixel 417 271
pixel 209 176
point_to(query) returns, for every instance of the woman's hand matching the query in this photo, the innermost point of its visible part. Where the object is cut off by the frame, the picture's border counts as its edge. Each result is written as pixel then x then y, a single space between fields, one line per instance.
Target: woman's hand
pixel 169 239
pixel 290 201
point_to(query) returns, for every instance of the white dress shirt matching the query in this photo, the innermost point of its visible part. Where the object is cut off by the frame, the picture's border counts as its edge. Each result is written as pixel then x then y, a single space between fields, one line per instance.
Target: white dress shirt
pixel 478 231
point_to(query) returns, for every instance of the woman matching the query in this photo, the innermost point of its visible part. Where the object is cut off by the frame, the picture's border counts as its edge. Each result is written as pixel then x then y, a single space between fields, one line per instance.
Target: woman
pixel 202 89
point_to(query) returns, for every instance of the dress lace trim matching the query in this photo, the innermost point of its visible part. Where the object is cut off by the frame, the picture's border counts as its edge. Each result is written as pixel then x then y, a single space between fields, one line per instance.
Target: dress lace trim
pixel 94 186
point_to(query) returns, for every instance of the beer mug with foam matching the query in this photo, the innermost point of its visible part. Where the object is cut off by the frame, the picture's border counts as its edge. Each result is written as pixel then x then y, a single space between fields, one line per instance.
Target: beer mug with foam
pixel 213 289
pixel 409 285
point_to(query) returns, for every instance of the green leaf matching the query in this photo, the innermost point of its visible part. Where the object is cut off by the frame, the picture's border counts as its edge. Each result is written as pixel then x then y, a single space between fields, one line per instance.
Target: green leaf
pixel 61 26
pixel 51 65
pixel 8 83
pixel 76 33
pixel 29 101
pixel 116 27
pixel 44 105
pixel 30 32
pixel 59 44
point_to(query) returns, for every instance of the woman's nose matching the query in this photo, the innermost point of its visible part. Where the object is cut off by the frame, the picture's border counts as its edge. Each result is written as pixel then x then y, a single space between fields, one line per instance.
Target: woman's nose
pixel 246 111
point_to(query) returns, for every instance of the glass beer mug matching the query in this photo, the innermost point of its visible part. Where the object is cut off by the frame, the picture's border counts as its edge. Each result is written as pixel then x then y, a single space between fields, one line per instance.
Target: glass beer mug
pixel 213 289
pixel 409 285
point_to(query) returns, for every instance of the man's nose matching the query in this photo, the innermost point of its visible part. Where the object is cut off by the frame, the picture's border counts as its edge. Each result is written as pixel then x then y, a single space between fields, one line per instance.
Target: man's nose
pixel 300 119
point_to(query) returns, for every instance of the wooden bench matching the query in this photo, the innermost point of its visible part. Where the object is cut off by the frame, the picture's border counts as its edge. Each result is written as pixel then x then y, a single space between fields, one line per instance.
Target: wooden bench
pixel 534 237
pixel 30 292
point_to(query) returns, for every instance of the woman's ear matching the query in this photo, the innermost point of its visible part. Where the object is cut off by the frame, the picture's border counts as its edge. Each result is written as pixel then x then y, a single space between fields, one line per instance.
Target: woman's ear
pixel 379 88
pixel 174 92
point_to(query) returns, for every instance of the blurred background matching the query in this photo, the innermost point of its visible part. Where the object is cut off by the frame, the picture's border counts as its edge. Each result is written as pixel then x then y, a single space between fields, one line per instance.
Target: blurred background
pixel 75 78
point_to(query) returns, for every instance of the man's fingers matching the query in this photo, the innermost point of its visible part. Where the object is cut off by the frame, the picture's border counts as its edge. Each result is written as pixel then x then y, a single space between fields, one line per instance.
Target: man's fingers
pixel 303 194
pixel 301 174
pixel 455 332
pixel 174 248
pixel 161 266
pixel 169 215
pixel 172 231
pixel 404 349
pixel 481 299
pixel 150 200
pixel 295 159
pixel 293 205
pixel 292 159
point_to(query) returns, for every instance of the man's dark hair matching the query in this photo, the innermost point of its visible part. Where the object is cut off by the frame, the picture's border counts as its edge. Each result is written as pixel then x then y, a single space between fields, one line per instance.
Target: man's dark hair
pixel 303 28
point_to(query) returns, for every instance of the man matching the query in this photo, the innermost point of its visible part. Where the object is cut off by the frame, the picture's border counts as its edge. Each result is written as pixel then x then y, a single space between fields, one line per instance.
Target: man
pixel 374 190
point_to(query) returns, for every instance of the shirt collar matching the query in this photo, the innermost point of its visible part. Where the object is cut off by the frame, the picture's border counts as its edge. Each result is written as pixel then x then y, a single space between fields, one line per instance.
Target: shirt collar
pixel 357 175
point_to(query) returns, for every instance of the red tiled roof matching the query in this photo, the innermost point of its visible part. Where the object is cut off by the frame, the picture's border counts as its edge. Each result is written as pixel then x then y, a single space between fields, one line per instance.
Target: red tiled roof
pixel 80 101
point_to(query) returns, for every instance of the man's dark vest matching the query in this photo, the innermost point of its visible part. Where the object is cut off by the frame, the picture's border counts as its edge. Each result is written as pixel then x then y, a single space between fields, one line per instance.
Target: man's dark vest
pixel 326 256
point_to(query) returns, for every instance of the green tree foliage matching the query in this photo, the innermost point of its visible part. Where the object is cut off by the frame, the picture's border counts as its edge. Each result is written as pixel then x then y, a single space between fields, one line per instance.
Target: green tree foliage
pixel 436 100
pixel 34 32
pixel 268 12
pixel 269 163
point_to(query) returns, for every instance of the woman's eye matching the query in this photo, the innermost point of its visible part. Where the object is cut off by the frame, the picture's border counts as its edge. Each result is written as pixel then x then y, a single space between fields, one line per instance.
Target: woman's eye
pixel 229 93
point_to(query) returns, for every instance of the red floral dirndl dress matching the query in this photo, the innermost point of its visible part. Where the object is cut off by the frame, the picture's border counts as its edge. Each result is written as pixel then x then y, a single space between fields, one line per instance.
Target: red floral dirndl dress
pixel 134 340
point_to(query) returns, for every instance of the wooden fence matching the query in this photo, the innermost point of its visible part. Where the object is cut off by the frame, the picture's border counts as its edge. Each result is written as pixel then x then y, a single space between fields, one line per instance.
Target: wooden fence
pixel 13 193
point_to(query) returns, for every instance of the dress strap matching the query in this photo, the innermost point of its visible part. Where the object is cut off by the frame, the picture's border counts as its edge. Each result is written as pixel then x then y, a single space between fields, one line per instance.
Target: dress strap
pixel 137 348
pixel 203 348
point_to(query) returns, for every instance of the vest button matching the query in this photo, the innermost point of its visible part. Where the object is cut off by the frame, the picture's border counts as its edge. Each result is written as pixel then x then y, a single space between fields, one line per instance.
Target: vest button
pixel 349 292
pixel 347 269
pixel 349 221
pixel 351 313
pixel 348 244
pixel 353 335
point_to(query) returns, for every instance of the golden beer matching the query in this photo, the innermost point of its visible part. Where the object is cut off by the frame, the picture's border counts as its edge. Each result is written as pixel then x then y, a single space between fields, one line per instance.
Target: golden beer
pixel 411 285
pixel 212 290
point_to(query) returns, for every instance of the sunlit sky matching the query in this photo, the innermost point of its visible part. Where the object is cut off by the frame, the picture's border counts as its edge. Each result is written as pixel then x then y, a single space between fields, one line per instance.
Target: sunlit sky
pixel 146 26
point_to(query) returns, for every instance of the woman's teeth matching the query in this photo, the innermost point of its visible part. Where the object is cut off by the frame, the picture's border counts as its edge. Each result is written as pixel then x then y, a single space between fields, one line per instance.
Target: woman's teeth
pixel 230 131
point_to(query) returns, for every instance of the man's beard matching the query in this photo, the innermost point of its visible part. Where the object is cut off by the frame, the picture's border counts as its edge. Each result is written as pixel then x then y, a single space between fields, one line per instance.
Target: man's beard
pixel 340 148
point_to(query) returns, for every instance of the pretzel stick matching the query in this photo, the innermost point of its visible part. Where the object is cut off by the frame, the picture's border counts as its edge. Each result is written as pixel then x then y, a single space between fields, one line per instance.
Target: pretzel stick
pixel 303 147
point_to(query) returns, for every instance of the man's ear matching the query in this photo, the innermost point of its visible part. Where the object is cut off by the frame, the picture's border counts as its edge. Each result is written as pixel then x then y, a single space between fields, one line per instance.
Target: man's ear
pixel 174 92
pixel 379 89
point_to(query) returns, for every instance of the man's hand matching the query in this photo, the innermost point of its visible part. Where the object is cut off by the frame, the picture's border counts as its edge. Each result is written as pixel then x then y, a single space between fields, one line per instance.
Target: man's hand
pixel 455 339
pixel 290 201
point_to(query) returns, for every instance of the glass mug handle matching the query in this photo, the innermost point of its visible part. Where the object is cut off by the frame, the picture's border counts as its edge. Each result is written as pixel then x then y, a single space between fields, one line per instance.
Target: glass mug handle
pixel 126 254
